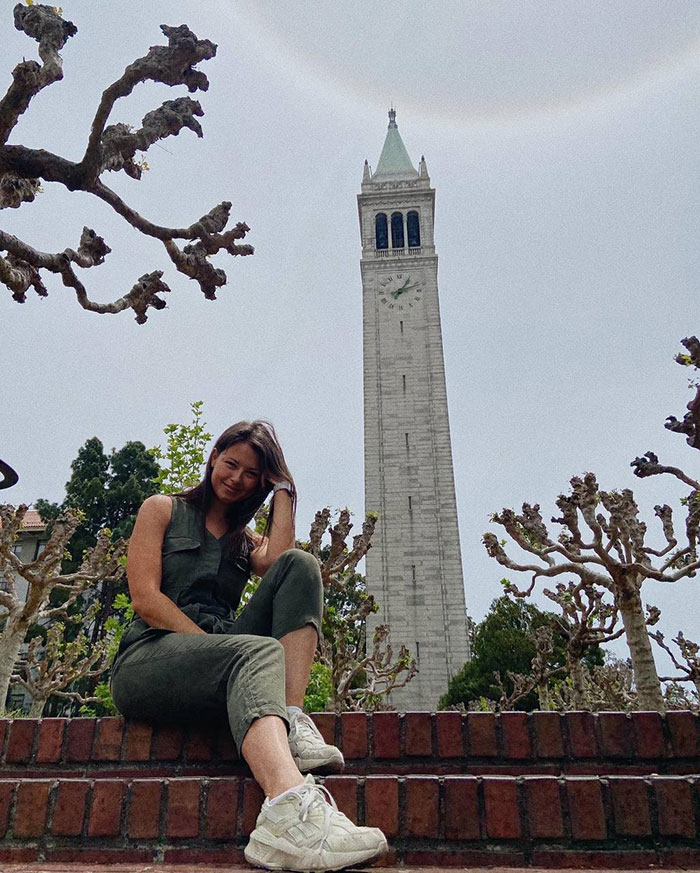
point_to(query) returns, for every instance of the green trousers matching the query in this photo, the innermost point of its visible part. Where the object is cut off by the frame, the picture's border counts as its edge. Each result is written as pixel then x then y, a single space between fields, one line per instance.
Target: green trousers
pixel 239 675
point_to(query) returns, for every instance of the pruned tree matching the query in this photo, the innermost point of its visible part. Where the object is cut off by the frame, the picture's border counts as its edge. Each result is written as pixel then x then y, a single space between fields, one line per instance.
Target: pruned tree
pixel 103 563
pixel 606 687
pixel 586 621
pixel 362 675
pixel 607 551
pixel 538 679
pixel 109 148
pixel 689 662
pixel 52 666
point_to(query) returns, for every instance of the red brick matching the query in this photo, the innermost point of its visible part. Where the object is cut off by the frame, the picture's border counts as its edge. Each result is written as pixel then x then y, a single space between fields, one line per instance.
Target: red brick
pixel 225 748
pixel 7 788
pixel 682 726
pixel 418 734
pixel 594 859
pixel 353 731
pixel 648 734
pixel 108 739
pixel 465 858
pixel 69 809
pixel 586 808
pixel 382 804
pixel 51 731
pixel 387 742
pixel 388 859
pixel 514 734
pixel 252 801
pixel 4 724
pixel 227 857
pixel 482 735
pixel 501 804
pixel 198 745
pixel 580 727
pixel 143 819
pixel 681 858
pixel 182 818
pixel 449 734
pixel 549 741
pixel 88 854
pixel 221 815
pixel 630 806
pixel 30 812
pixel 462 808
pixel 544 807
pixel 19 854
pixel 137 746
pixel 106 808
pixel 19 746
pixel 343 789
pixel 167 743
pixel 616 736
pixel 422 806
pixel 80 735
pixel 325 722
pixel 674 801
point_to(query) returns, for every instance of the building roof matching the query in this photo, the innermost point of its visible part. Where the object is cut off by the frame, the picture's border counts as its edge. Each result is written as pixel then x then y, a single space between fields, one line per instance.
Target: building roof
pixel 31 521
pixel 394 160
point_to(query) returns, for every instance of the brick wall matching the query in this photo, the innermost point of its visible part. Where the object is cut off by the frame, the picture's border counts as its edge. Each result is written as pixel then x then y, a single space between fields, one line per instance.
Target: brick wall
pixel 509 794
pixel 444 743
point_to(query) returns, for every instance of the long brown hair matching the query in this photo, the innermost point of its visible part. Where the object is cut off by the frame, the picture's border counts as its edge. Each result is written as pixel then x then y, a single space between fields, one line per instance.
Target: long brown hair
pixel 261 437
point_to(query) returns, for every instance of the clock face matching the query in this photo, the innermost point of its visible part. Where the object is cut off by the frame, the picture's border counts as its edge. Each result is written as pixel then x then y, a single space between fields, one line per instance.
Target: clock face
pixel 400 291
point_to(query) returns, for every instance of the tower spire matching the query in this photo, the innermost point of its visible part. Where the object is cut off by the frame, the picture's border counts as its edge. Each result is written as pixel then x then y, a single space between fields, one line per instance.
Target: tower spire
pixel 394 161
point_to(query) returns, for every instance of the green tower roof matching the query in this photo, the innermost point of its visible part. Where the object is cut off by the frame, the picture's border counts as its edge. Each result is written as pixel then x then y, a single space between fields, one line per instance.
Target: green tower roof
pixel 394 159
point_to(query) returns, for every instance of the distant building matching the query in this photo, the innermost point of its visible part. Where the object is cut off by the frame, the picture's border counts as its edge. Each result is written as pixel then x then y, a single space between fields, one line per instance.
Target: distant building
pixel 414 568
pixel 28 546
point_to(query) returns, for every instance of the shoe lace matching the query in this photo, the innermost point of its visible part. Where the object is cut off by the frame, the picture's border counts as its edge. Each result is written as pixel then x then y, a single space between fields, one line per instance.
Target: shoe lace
pixel 311 796
pixel 304 726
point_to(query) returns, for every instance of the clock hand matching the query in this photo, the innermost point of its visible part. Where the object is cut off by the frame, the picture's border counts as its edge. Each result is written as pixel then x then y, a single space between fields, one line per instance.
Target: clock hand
pixel 403 289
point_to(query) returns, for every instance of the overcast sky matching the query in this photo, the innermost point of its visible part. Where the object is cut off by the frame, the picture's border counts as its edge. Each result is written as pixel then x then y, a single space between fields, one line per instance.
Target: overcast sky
pixel 562 142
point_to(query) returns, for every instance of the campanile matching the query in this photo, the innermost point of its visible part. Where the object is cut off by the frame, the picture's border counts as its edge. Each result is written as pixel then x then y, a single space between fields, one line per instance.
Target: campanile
pixel 414 568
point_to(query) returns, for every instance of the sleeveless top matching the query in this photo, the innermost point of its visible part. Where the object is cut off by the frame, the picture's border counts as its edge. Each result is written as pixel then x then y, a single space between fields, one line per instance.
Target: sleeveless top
pixel 197 575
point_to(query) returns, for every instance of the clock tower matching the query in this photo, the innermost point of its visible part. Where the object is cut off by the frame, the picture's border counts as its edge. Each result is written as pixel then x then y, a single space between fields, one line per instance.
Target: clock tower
pixel 414 568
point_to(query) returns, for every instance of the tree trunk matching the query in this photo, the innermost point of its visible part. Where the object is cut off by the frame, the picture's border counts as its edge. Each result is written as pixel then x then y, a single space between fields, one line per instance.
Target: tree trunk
pixel 646 678
pixel 11 641
pixel 37 707
pixel 577 684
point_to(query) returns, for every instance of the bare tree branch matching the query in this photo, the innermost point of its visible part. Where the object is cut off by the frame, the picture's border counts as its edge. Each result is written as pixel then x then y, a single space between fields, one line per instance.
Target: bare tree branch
pixel 110 148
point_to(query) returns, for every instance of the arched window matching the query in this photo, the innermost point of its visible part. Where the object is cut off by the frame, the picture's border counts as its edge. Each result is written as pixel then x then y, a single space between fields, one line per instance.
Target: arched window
pixel 381 231
pixel 413 230
pixel 396 230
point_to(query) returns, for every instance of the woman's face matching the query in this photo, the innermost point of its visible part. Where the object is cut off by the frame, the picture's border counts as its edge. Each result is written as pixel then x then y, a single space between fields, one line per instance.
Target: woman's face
pixel 236 473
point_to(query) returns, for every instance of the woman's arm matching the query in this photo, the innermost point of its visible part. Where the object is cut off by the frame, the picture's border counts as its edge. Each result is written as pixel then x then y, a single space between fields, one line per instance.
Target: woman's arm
pixel 281 535
pixel 144 567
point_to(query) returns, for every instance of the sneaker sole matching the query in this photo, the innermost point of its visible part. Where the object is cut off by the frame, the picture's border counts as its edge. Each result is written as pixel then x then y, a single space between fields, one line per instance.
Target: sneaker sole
pixel 276 858
pixel 332 763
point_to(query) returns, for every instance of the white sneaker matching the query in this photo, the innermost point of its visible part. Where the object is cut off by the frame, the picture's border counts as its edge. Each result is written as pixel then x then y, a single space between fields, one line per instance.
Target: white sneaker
pixel 303 830
pixel 309 750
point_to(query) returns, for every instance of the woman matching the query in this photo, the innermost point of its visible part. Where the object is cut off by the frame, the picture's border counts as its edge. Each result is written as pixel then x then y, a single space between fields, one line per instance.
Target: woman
pixel 187 657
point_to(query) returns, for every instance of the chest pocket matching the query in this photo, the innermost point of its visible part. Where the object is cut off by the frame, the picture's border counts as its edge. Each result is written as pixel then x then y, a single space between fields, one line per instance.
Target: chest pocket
pixel 181 556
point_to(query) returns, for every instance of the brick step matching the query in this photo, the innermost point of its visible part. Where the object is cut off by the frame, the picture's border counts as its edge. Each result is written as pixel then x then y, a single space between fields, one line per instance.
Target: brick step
pixel 443 743
pixel 541 821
